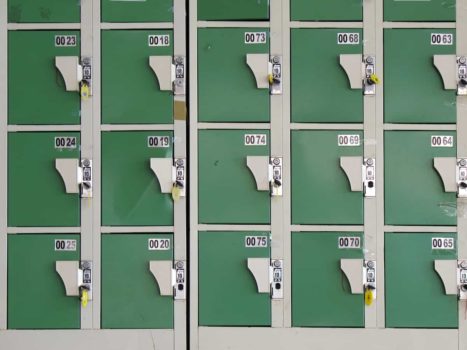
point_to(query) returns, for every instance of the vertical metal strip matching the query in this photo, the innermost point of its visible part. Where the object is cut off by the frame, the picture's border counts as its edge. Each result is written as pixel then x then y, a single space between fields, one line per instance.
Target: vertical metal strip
pixel 87 153
pixel 369 151
pixel 461 48
pixel 193 172
pixel 3 161
pixel 277 246
pixel 286 164
pixel 180 212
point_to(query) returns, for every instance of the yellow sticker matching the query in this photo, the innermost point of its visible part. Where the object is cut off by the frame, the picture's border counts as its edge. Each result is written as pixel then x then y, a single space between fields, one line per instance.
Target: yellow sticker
pixel 176 191
pixel 84 297
pixel 84 91
pixel 368 296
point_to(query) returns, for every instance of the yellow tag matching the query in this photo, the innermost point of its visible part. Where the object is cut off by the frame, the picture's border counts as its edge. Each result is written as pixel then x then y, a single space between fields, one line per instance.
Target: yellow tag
pixel 368 296
pixel 176 191
pixel 374 78
pixel 84 91
pixel 271 79
pixel 84 297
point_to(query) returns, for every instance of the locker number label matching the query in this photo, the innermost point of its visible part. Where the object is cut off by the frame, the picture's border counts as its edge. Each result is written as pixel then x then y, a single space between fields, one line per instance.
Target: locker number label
pixel 62 142
pixel 159 40
pixel 256 140
pixel 256 242
pixel 442 141
pixel 442 39
pixel 158 244
pixel 442 243
pixel 348 38
pixel 65 40
pixel 349 243
pixel 158 141
pixel 348 140
pixel 255 38
pixel 65 245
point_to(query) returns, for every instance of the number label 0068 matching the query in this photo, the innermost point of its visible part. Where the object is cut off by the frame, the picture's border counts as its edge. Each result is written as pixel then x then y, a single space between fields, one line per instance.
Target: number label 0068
pixel 348 38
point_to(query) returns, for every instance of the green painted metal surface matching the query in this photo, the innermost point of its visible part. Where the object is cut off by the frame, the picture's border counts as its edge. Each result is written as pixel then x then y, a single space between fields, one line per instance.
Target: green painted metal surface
pixel 137 11
pixel 227 188
pixel 36 89
pixel 131 193
pixel 415 295
pixel 233 10
pixel 320 189
pixel 414 192
pixel 413 88
pixel 321 295
pixel 227 89
pixel 318 80
pixel 36 191
pixel 58 11
pixel 130 294
pixel 420 11
pixel 130 89
pixel 228 295
pixel 36 293
pixel 326 10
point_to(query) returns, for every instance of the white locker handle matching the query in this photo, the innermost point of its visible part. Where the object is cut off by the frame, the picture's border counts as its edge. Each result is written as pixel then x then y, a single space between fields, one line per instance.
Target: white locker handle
pixel 447 271
pixel 352 65
pixel 68 272
pixel 352 167
pixel 446 168
pixel 68 170
pixel 259 65
pixel 447 69
pixel 353 270
pixel 162 270
pixel 162 68
pixel 259 167
pixel 163 168
pixel 259 268
pixel 71 71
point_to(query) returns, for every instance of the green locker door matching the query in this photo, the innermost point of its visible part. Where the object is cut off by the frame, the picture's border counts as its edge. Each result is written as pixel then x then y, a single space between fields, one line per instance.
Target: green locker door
pixel 131 193
pixel 321 294
pixel 413 88
pixel 36 293
pixel 414 192
pixel 130 295
pixel 228 294
pixel 36 191
pixel 420 11
pixel 36 89
pixel 227 189
pixel 321 193
pixel 415 295
pixel 226 10
pixel 137 11
pixel 318 80
pixel 48 11
pixel 326 10
pixel 227 89
pixel 131 92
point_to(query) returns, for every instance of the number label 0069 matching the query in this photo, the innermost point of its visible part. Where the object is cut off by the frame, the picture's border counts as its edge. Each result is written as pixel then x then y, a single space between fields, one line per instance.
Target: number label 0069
pixel 348 140
pixel 349 243
pixel 256 242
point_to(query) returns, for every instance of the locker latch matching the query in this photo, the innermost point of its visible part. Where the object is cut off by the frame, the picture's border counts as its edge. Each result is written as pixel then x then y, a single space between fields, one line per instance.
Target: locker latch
pixel 462 279
pixel 179 80
pixel 85 84
pixel 276 278
pixel 178 178
pixel 179 280
pixel 462 75
pixel 369 177
pixel 275 75
pixel 370 79
pixel 85 281
pixel 369 277
pixel 275 176
pixel 85 178
pixel 461 173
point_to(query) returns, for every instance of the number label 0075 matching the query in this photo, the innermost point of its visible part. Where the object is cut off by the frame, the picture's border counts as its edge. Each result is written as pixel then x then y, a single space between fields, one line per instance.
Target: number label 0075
pixel 256 242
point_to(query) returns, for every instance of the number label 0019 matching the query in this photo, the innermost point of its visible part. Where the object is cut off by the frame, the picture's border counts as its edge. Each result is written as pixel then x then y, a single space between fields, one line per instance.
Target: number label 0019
pixel 158 141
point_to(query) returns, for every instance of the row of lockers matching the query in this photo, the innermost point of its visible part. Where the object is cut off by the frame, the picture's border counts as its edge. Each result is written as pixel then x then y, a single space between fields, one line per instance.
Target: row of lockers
pixel 325 189
pixel 162 10
pixel 230 293
pixel 134 90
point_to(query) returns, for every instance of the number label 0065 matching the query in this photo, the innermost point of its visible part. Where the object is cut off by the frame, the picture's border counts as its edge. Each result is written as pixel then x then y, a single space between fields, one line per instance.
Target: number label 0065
pixel 442 243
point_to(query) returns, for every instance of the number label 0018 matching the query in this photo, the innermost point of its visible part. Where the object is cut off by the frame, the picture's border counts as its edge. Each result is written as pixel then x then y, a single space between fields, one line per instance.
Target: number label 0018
pixel 159 40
